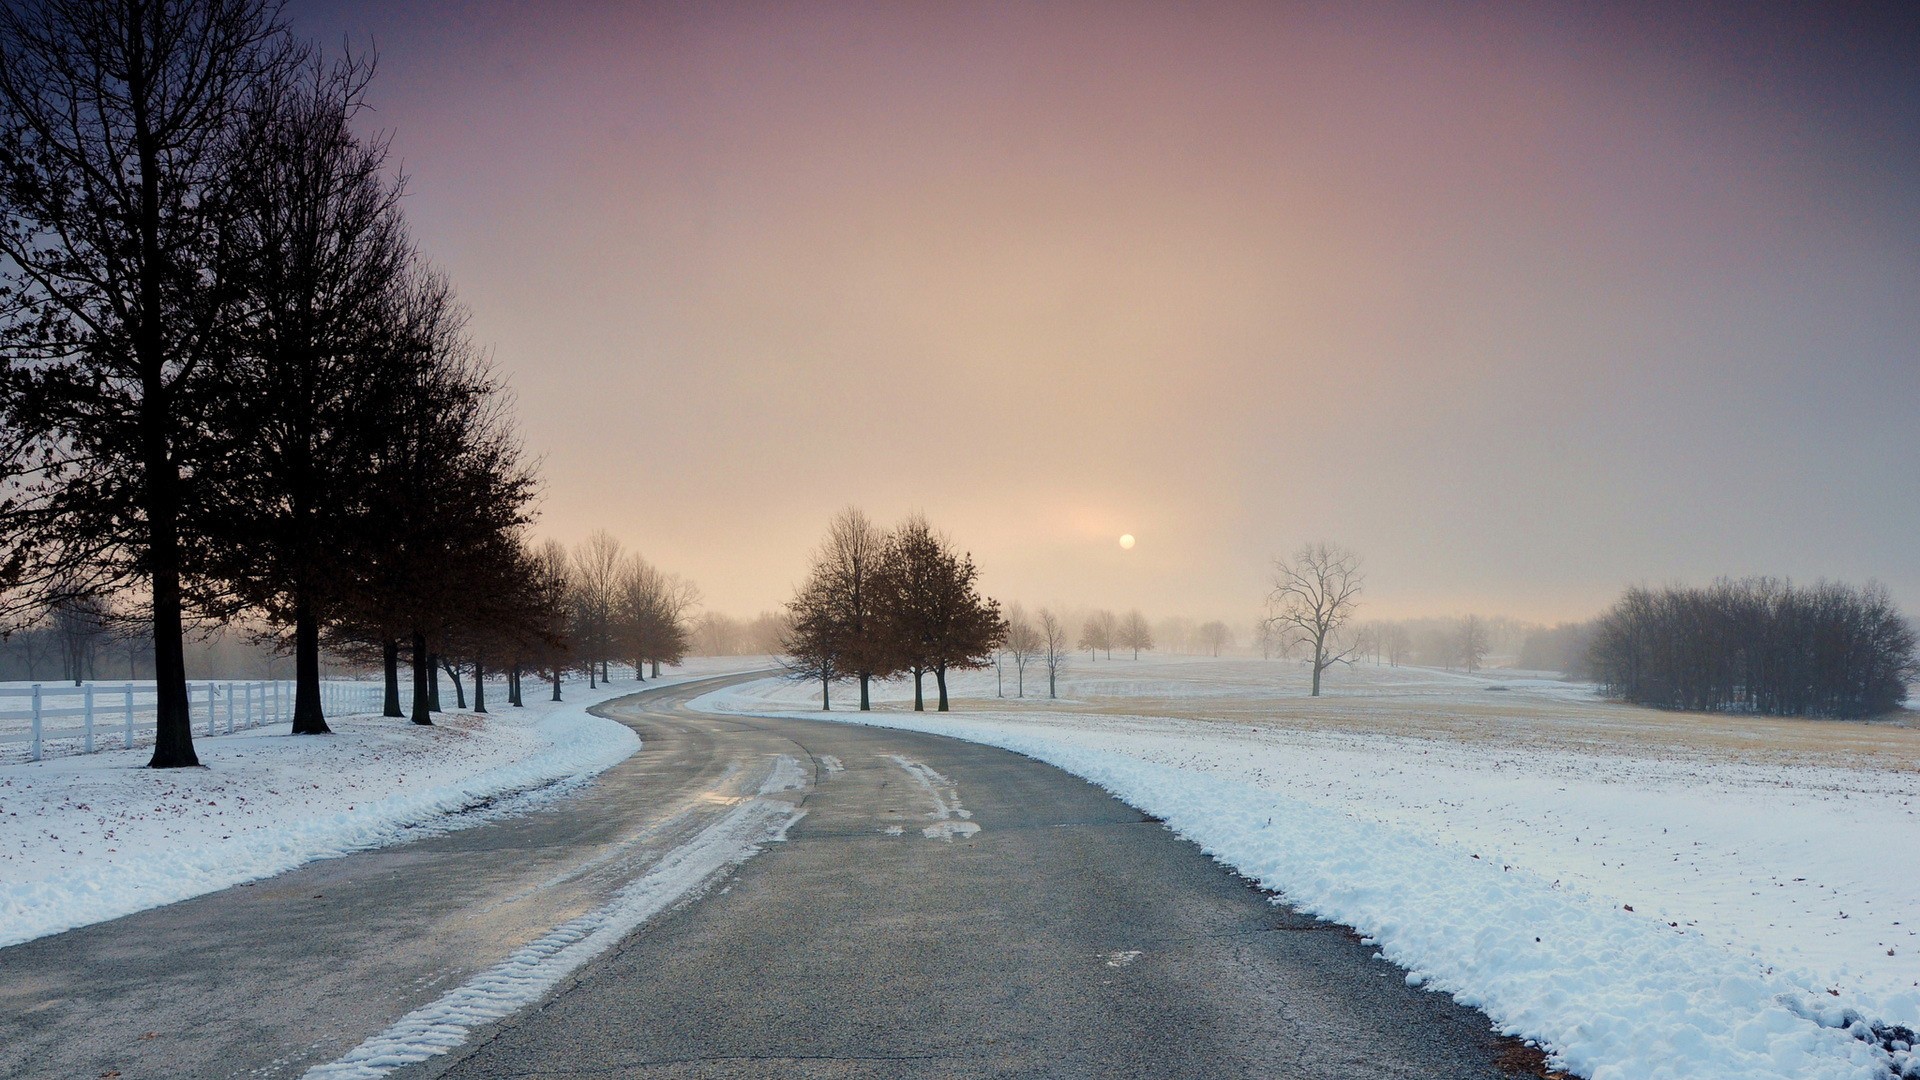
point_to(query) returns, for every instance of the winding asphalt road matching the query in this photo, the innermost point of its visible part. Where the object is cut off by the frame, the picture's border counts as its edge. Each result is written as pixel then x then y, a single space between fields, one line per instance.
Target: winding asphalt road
pixel 940 910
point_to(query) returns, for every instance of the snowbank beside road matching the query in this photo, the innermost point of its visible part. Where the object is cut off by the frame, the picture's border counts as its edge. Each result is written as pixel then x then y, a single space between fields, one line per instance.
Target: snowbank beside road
pixel 86 839
pixel 1640 916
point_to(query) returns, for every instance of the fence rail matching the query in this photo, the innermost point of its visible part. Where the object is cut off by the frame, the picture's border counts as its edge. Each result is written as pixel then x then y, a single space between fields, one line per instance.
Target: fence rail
pixel 115 716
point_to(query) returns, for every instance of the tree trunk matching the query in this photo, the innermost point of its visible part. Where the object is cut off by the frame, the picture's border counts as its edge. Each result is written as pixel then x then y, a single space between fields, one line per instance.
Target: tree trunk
pixel 919 699
pixel 1020 681
pixel 479 685
pixel 422 704
pixel 390 659
pixel 308 716
pixel 656 669
pixel 593 683
pixel 1318 652
pixel 605 676
pixel 459 692
pixel 640 670
pixel 433 683
pixel 940 678
pixel 513 687
pixel 173 724
pixel 1050 693
pixel 556 684
pixel 826 704
pixel 865 705
pixel 173 719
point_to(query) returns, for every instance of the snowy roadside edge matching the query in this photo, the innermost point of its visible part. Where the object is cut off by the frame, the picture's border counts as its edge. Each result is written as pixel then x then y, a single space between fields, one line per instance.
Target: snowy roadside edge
pixel 578 746
pixel 1611 995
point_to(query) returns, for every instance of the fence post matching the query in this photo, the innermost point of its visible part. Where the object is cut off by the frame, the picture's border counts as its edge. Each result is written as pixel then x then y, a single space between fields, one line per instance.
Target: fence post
pixel 211 716
pixel 36 721
pixel 229 708
pixel 88 695
pixel 126 740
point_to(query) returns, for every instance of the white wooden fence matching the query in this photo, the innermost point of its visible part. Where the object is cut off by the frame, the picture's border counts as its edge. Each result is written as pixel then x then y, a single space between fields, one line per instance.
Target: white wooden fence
pixel 112 716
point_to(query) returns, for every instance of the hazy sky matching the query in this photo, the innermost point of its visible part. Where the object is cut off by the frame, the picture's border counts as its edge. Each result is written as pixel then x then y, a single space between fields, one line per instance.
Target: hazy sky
pixel 1524 303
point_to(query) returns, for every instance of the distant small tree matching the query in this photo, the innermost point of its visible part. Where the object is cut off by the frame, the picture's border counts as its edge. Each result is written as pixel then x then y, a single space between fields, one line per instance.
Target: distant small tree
pixel 82 625
pixel 1396 642
pixel 597 565
pixel 1215 636
pixel 1053 649
pixel 1024 645
pixel 1133 633
pixel 1097 633
pixel 1314 595
pixel 1472 645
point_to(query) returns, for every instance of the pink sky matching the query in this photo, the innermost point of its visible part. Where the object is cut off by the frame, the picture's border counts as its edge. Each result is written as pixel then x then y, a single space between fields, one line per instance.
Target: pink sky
pixel 1523 306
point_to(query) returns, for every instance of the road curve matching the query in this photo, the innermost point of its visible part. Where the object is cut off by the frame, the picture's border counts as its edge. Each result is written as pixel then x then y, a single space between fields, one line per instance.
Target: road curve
pixel 941 909
pixel 945 909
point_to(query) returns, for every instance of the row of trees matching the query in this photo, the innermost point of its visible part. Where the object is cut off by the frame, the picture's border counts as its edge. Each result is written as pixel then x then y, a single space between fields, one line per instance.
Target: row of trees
pixel 877 604
pixel 232 387
pixel 1758 645
pixel 1041 639
pixel 621 607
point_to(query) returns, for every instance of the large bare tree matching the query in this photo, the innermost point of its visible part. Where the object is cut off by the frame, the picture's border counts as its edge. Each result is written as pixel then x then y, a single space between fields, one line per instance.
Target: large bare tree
pixel 835 628
pixel 316 237
pixel 1314 595
pixel 115 119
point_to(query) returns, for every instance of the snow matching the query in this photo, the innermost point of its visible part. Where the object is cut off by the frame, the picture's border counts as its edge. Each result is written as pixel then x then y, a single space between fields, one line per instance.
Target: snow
pixel 1644 894
pixel 89 838
pixel 537 967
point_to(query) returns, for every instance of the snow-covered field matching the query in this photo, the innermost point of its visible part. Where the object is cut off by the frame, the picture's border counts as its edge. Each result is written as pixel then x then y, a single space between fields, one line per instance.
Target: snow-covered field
pixel 84 839
pixel 1646 894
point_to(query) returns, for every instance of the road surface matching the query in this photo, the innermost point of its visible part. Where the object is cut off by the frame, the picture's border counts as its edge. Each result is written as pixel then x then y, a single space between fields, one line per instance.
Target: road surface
pixel 937 909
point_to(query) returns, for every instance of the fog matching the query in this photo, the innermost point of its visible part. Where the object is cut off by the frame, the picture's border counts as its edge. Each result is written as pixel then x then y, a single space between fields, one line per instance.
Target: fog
pixel 1523 304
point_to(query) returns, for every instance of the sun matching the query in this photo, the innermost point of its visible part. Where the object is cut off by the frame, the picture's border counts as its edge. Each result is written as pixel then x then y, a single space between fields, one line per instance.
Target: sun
pixel 1126 542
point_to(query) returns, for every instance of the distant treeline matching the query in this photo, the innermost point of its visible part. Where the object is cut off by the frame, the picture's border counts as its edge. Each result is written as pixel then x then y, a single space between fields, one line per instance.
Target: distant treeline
pixel 1757 645
pixel 717 634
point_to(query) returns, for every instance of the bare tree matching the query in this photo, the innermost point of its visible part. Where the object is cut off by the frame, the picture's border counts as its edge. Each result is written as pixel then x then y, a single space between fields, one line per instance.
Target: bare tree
pixel 836 614
pixel 115 119
pixel 1133 633
pixel 317 238
pixel 1471 646
pixel 596 583
pixel 650 617
pixel 1096 634
pixel 1396 642
pixel 1314 595
pixel 1053 649
pixel 1215 636
pixel 82 624
pixel 1023 645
